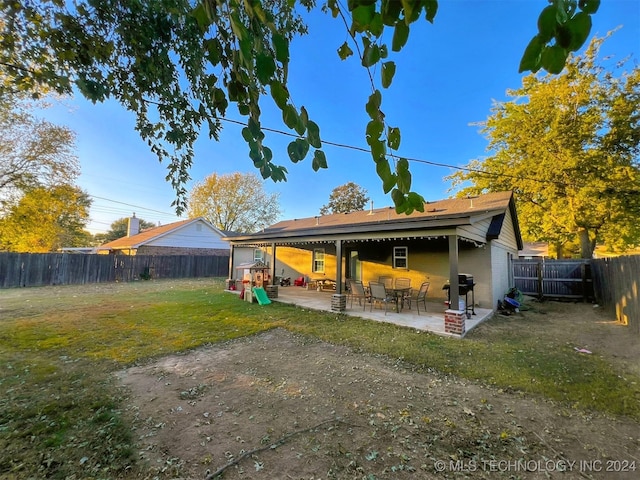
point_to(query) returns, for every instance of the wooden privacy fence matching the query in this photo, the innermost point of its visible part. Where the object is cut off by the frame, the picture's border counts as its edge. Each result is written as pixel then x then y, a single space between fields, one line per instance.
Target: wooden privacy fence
pixel 569 279
pixel 40 269
pixel 617 281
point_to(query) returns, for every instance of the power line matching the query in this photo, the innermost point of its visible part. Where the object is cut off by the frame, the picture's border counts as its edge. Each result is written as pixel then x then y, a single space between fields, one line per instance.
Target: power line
pixel 134 206
pixel 410 159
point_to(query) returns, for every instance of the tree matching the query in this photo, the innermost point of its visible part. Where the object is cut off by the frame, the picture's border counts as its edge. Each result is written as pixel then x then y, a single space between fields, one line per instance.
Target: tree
pixel 569 147
pixel 34 152
pixel 119 229
pixel 177 66
pixel 46 219
pixel 234 202
pixel 345 198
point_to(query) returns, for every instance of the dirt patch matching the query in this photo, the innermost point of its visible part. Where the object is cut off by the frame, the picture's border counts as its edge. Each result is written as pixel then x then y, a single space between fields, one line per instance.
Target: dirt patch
pixel 281 406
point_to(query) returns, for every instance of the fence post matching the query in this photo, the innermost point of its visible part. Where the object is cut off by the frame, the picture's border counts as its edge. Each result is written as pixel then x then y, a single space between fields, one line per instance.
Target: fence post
pixel 539 269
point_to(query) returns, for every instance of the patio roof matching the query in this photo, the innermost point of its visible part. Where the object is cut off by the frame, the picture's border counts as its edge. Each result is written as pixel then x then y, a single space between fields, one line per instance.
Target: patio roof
pixel 438 219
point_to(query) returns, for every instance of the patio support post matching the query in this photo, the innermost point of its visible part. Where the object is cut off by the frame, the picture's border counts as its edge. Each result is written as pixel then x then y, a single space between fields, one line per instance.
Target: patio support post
pixel 231 262
pixel 338 267
pixel 273 263
pixel 453 273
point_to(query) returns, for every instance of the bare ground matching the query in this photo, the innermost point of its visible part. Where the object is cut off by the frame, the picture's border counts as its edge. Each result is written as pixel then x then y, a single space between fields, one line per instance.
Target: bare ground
pixel 283 406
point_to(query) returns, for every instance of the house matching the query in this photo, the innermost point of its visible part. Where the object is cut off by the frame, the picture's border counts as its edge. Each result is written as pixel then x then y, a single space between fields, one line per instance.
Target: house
pixel 195 236
pixel 478 236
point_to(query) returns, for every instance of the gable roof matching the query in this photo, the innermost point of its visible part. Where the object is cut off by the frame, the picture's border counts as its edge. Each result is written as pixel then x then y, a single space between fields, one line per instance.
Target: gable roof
pixel 449 213
pixel 152 234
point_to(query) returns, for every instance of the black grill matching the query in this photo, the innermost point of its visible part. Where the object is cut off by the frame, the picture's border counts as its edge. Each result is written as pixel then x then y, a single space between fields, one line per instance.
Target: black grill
pixel 465 285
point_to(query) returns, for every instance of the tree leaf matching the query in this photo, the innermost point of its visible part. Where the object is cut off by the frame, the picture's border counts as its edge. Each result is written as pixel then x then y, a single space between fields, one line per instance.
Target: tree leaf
pixel 254 127
pixel 298 149
pixel 531 58
pixel 390 10
pixel 399 200
pixel 374 130
pixel 400 36
pixel 384 172
pixel 265 68
pixel 279 94
pixel 589 6
pixel 313 134
pixel 290 116
pixel 281 46
pixel 373 105
pixel 345 51
pixel 431 8
pixel 553 59
pixel 547 23
pixel 388 71
pixel 362 17
pixel 409 7
pixel 393 138
pixel 580 27
pixel 403 176
pixel 376 27
pixel 319 160
pixel 416 201
pixel 371 54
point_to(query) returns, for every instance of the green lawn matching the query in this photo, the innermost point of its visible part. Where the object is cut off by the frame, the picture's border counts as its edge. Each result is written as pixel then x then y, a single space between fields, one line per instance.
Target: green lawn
pixel 60 412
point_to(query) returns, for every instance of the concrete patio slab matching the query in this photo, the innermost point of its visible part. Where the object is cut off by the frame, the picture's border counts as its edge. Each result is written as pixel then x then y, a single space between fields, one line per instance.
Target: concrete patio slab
pixel 430 321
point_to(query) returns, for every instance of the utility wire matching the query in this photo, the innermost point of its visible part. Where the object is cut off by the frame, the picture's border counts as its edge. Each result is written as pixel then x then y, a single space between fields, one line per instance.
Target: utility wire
pixel 410 159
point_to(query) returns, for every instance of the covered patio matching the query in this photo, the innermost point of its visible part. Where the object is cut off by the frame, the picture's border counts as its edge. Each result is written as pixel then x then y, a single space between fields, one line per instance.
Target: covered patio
pixel 430 321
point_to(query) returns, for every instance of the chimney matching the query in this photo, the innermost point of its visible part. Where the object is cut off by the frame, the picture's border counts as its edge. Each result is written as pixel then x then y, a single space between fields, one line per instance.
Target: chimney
pixel 371 209
pixel 133 228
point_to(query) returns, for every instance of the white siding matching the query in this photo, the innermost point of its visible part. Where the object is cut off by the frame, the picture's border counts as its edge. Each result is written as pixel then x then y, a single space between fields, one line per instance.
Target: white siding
pixel 507 238
pixel 193 235
pixel 476 231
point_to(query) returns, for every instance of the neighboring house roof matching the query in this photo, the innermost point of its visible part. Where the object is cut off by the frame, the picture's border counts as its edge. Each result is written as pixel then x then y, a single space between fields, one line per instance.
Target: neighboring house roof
pixel 534 249
pixel 156 234
pixel 448 213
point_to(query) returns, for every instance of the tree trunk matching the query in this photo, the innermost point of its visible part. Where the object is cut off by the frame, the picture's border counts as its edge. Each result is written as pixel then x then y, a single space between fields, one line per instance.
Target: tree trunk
pixel 586 249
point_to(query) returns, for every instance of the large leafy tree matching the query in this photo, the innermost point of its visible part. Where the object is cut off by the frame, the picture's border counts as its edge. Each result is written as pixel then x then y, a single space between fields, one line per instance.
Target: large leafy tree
pixel 569 146
pixel 34 152
pixel 46 219
pixel 118 229
pixel 345 198
pixel 234 202
pixel 177 64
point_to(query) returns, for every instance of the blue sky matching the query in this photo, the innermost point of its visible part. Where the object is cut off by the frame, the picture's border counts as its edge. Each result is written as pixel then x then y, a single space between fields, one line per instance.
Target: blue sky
pixel 447 78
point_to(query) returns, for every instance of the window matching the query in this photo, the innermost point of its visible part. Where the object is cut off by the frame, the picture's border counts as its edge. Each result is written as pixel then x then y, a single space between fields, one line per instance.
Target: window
pixel 318 260
pixel 400 257
pixel 258 255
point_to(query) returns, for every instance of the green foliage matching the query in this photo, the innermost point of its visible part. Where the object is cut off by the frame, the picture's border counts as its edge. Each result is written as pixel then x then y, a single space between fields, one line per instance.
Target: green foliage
pixel 236 201
pixel 568 146
pixel 345 199
pixel 563 27
pixel 178 65
pixel 45 219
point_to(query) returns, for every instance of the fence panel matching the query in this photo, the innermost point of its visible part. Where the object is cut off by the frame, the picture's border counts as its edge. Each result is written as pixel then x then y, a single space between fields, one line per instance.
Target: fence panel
pixel 40 269
pixel 554 278
pixel 617 285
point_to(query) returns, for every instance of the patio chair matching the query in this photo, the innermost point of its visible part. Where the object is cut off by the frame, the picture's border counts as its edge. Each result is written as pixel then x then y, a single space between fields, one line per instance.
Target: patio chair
pixel 386 281
pixel 422 296
pixel 356 290
pixel 379 294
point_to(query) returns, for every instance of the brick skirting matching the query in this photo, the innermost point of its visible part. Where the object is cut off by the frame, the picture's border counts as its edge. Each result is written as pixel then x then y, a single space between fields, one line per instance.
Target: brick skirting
pixel 454 321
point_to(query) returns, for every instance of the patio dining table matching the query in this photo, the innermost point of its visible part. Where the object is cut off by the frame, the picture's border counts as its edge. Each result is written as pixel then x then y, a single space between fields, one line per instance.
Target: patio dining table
pixel 398 293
